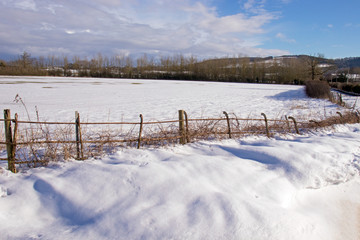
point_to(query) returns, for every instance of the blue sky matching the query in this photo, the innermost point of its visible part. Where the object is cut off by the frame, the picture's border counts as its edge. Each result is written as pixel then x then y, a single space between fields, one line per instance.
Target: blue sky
pixel 202 28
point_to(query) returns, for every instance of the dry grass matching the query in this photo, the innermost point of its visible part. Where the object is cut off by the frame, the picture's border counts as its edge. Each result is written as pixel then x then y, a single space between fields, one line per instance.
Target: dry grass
pixel 317 89
pixel 345 118
pixel 39 144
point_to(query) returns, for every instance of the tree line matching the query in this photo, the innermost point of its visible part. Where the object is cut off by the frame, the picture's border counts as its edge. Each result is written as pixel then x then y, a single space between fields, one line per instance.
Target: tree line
pixel 284 69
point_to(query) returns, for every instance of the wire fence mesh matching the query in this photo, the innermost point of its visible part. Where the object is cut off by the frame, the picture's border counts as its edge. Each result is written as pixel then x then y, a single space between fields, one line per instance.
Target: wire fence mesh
pixel 38 143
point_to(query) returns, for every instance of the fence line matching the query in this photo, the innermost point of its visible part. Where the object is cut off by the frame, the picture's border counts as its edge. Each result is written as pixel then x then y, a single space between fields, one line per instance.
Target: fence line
pixel 49 149
pixel 135 123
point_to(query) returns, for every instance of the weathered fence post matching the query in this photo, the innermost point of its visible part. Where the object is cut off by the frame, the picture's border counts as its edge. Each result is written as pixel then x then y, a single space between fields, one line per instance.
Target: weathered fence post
pixel 228 123
pixel 140 131
pixel 266 125
pixel 341 117
pixel 339 113
pixel 317 123
pixel 187 127
pixel 15 135
pixel 9 141
pixel 79 144
pixel 182 130
pixel 295 124
pixel 357 116
pixel 340 99
pixel 287 123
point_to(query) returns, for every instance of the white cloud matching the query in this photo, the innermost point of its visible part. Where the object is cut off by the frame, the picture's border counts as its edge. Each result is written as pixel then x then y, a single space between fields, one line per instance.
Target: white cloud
pixel 238 23
pixel 70 32
pixel 352 25
pixel 47 26
pixel 330 26
pixel 254 6
pixel 286 1
pixel 138 26
pixel 26 5
pixel 52 7
pixel 284 38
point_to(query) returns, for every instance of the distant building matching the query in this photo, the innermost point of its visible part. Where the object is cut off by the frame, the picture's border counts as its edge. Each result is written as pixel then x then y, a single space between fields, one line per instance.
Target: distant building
pixel 353 77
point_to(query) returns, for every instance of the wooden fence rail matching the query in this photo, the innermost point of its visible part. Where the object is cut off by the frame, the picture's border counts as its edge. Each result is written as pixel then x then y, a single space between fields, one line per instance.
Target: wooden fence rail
pixel 182 134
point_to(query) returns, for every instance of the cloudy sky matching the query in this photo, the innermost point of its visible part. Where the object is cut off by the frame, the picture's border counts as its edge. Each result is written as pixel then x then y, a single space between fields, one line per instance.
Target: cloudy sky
pixel 203 28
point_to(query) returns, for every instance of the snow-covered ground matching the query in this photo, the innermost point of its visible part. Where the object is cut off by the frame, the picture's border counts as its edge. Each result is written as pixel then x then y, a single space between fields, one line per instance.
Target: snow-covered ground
pixel 288 187
pixel 123 100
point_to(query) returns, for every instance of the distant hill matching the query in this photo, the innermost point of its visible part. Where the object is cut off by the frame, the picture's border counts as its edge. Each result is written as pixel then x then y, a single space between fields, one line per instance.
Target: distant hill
pixel 352 62
pixel 279 69
pixel 340 63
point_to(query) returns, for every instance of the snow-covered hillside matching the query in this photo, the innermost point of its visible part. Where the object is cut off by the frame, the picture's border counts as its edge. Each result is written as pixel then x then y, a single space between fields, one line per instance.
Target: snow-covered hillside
pixel 287 187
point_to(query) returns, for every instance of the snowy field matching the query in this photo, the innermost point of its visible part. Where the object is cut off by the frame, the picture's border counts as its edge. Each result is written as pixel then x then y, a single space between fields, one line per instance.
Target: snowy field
pixel 123 100
pixel 288 187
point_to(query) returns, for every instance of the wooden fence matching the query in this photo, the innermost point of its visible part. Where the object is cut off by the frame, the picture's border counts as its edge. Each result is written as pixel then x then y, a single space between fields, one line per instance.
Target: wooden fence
pixel 36 143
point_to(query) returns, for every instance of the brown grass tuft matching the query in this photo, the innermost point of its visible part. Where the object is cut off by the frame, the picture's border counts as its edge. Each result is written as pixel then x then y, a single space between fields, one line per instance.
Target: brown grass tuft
pixel 317 89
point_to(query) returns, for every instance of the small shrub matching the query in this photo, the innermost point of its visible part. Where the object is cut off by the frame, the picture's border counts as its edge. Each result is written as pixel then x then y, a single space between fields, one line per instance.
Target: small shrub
pixel 2 63
pixel 317 89
pixel 335 85
pixel 347 87
pixel 356 89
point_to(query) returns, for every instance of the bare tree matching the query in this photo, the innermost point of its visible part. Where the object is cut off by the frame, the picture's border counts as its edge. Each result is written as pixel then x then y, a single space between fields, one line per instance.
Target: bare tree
pixel 25 59
pixel 312 63
pixel 2 63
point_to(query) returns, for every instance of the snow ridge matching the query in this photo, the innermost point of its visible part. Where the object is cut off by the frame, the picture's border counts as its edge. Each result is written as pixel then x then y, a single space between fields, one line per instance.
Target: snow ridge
pixel 253 188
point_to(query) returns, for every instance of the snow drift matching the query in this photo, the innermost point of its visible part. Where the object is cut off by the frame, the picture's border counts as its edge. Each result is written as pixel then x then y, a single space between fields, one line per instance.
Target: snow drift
pixel 287 187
